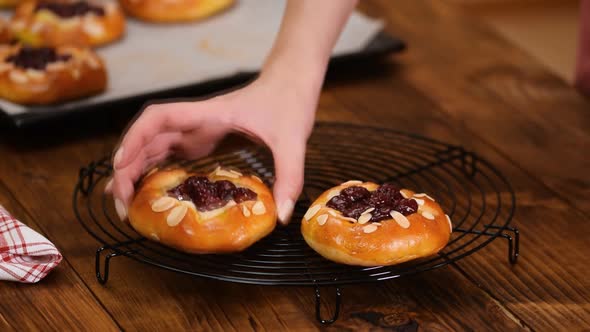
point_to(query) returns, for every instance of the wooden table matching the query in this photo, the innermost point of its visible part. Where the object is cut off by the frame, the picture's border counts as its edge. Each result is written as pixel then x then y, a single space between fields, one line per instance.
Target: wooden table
pixel 458 82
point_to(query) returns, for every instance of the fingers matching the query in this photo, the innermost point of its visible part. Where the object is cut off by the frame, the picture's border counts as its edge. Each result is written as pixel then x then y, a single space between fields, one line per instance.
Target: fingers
pixel 289 161
pixel 155 135
pixel 157 119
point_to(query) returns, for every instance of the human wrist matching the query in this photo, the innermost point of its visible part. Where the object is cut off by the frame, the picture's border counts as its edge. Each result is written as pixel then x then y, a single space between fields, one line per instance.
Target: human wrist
pixel 304 77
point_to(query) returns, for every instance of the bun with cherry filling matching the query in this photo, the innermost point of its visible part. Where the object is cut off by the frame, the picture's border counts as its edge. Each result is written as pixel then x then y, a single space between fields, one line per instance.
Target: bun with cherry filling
pixel 362 223
pixel 221 212
pixel 68 22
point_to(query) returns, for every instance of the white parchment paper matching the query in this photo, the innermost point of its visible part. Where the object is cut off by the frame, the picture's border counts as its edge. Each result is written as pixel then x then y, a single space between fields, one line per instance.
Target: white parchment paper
pixel 156 57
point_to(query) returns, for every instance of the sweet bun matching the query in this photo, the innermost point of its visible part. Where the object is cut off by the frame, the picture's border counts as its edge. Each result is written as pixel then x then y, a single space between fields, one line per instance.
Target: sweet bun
pixel 68 22
pixel 161 11
pixel 198 213
pixel 5 33
pixel 41 76
pixel 9 3
pixel 411 230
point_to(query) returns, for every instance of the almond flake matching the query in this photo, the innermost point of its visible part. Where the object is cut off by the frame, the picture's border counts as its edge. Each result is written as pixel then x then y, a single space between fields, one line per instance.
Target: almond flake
pixel 155 236
pixel 450 223
pixel 404 193
pixel 369 210
pixel 35 74
pixel 427 215
pixel 236 172
pixel 189 205
pixel 205 215
pixel 176 215
pixel 351 182
pixel 259 208
pixel 349 219
pixel 377 224
pixel 369 228
pixel 364 218
pixel 5 66
pixel 92 62
pixel 245 211
pixel 419 201
pixel 424 195
pixel 55 66
pixel 322 219
pixel 110 6
pixel 312 212
pixel 36 27
pixel 152 171
pixel 400 219
pixel 93 28
pixel 257 178
pixel 225 173
pixel 333 194
pixel 163 203
pixel 18 77
pixel 334 213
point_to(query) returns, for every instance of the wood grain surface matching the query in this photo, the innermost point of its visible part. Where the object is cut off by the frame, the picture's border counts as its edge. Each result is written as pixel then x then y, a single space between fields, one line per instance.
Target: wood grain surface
pixel 458 82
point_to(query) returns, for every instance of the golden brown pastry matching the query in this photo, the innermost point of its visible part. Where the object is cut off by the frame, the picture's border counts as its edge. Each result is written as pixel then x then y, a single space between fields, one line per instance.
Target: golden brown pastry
pixel 169 11
pixel 220 212
pixel 5 33
pixel 366 224
pixel 39 76
pixel 68 22
pixel 9 3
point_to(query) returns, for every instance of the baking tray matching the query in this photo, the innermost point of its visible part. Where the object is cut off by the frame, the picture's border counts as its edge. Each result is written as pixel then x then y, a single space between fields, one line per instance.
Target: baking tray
pixel 194 59
pixel 380 45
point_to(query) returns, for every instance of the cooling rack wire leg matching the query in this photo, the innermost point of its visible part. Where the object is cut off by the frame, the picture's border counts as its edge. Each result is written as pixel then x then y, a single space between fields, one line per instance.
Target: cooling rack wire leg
pixel 102 279
pixel 513 242
pixel 318 304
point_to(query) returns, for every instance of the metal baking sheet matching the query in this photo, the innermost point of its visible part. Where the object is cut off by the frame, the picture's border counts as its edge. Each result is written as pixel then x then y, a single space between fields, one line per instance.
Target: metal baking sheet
pixel 163 60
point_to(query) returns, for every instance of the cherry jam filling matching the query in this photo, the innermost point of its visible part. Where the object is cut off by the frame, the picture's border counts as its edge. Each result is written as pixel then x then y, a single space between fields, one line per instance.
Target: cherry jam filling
pixel 355 200
pixel 207 195
pixel 36 57
pixel 72 9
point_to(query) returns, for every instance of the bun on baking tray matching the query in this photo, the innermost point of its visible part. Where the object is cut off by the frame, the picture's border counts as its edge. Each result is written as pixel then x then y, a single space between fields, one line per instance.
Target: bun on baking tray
pixel 174 11
pixel 221 212
pixel 9 3
pixel 68 22
pixel 40 76
pixel 5 33
pixel 362 223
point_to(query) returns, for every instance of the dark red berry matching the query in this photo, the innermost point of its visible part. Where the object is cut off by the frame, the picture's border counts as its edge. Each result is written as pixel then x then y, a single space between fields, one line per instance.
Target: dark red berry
pixel 66 10
pixel 355 200
pixel 207 195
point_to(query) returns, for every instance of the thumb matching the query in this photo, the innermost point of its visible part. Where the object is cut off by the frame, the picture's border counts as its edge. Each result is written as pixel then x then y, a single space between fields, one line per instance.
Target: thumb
pixel 289 167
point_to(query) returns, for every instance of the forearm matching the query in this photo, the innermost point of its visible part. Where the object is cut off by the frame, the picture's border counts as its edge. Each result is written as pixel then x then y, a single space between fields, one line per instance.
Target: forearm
pixel 309 31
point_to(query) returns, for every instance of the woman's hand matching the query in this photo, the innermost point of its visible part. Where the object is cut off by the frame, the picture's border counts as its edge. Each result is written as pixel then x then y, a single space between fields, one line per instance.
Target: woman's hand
pixel 277 109
pixel 280 116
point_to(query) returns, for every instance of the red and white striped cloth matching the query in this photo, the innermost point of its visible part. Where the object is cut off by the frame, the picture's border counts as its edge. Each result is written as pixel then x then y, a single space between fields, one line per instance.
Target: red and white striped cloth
pixel 25 255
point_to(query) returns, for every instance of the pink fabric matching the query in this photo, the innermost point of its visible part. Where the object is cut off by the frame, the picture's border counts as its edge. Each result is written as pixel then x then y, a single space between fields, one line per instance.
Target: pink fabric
pixel 583 66
pixel 25 255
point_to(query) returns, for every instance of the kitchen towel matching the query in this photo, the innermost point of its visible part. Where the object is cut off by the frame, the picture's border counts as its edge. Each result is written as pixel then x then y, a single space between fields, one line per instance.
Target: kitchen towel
pixel 25 255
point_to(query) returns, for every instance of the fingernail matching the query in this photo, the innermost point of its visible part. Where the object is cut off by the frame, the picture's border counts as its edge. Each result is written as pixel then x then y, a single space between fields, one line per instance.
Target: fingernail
pixel 108 186
pixel 285 211
pixel 121 210
pixel 118 157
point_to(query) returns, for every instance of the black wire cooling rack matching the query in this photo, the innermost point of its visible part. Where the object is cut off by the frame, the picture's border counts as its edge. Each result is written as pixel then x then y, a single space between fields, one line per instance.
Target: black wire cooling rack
pixel 476 195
